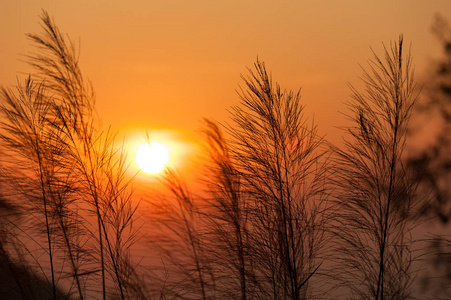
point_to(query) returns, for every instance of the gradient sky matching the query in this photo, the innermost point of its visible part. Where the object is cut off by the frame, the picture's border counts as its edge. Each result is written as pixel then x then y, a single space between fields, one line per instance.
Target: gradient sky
pixel 164 65
pixel 168 64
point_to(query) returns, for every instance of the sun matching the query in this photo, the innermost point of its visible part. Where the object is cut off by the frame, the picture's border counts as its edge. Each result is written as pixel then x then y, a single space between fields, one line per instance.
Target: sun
pixel 152 158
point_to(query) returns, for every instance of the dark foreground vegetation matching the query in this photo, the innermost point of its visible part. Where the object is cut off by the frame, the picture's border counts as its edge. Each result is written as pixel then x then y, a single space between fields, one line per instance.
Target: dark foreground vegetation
pixel 285 215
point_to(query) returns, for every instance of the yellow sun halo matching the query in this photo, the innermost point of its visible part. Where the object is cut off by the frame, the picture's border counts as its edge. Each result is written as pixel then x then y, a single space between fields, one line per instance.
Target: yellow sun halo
pixel 152 158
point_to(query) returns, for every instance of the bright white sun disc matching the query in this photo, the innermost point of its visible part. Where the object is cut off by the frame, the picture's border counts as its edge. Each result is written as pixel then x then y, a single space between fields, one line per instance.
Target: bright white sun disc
pixel 152 158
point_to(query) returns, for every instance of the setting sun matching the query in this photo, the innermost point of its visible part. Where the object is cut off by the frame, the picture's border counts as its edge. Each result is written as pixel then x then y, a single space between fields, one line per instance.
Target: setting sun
pixel 152 158
pixel 225 149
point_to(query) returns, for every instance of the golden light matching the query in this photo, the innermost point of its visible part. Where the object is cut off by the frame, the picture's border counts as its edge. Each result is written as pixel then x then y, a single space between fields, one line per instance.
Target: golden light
pixel 152 158
pixel 179 147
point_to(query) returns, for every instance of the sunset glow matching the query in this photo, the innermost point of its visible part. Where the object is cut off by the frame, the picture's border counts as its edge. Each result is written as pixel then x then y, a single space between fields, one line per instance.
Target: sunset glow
pixel 151 151
pixel 152 158
pixel 225 149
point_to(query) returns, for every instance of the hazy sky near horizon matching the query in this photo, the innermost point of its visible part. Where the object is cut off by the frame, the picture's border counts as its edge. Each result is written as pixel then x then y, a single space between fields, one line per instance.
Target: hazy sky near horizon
pixel 169 64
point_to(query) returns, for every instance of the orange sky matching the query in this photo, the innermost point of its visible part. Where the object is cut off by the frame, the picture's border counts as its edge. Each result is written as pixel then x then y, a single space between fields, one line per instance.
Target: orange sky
pixel 168 64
